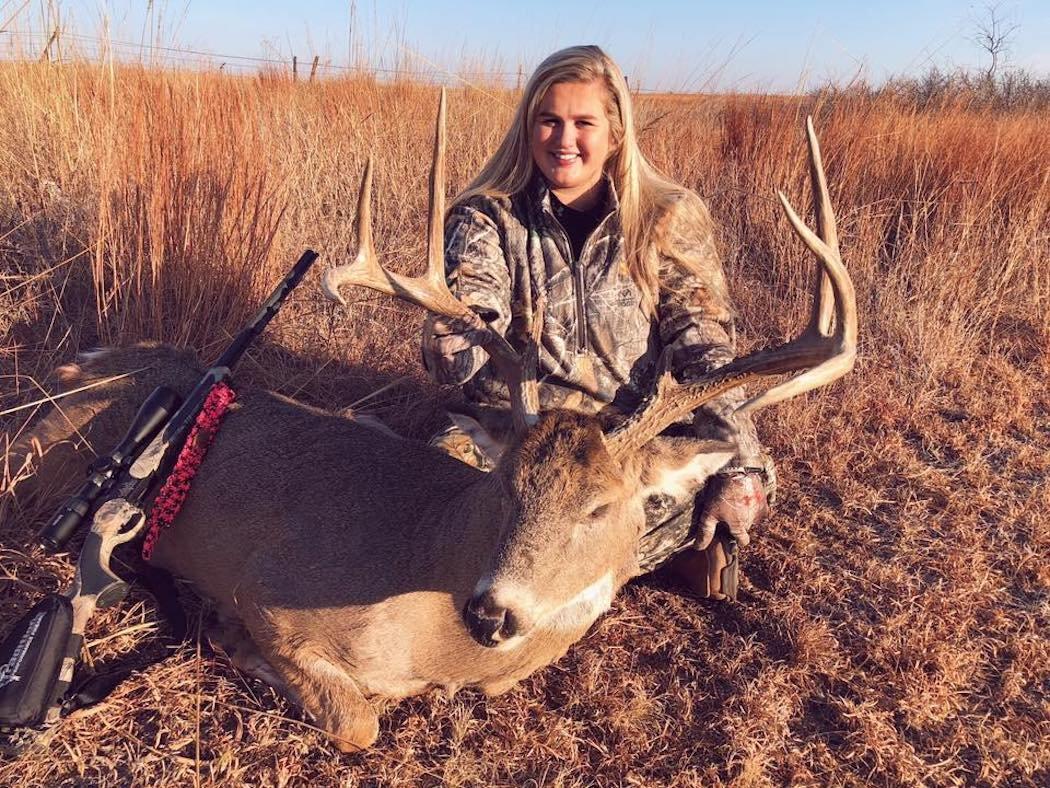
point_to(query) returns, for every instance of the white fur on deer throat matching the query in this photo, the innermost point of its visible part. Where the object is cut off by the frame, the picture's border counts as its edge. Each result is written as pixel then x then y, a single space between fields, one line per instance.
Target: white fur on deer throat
pixel 583 608
pixel 683 482
pixel 577 612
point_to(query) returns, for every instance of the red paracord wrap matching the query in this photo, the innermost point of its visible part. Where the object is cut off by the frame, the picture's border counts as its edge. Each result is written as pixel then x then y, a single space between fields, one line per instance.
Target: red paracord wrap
pixel 169 500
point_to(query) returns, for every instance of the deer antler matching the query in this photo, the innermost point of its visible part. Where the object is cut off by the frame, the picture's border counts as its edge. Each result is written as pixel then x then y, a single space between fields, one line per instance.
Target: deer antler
pixel 824 351
pixel 430 291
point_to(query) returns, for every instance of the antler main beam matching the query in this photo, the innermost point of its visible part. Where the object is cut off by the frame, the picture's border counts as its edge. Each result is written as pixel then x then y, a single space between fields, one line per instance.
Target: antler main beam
pixel 430 290
pixel 824 351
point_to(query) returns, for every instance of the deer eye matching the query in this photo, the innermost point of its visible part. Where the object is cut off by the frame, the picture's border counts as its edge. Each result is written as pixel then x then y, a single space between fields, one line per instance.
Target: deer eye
pixel 599 511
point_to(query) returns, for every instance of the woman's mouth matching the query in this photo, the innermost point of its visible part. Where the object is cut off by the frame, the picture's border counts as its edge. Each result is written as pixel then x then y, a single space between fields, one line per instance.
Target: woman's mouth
pixel 565 159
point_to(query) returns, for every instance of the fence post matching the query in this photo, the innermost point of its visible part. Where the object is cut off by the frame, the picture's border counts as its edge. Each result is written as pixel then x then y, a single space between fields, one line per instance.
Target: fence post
pixel 45 56
pixel 295 68
pixel 313 67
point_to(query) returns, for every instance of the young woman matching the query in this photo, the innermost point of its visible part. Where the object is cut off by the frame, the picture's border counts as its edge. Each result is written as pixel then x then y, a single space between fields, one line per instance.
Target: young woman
pixel 569 209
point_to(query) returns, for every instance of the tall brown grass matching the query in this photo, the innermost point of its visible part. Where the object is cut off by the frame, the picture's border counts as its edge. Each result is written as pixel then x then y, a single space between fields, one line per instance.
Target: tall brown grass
pixel 893 626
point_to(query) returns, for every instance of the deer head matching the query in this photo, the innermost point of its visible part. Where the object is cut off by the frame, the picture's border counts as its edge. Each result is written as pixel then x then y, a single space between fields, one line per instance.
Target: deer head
pixel 572 513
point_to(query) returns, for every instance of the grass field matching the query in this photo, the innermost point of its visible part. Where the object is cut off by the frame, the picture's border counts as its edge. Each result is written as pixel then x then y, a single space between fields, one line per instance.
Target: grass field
pixel 894 612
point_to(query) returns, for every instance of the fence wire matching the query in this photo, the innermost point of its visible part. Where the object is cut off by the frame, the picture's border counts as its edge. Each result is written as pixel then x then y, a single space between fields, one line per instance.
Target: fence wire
pixel 23 44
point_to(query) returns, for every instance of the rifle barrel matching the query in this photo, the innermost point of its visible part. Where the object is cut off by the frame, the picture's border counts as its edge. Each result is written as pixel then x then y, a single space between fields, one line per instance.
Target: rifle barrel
pixel 233 353
pixel 179 426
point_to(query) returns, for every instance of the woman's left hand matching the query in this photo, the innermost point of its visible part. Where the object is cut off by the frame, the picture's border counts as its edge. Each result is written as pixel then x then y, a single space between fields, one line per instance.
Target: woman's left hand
pixel 739 501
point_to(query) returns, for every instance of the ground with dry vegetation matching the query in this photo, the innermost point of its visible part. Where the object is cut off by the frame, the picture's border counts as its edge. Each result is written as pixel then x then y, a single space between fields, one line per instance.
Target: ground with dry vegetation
pixel 892 627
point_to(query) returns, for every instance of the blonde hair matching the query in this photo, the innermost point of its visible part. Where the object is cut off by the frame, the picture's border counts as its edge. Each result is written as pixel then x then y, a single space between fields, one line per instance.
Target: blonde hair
pixel 644 194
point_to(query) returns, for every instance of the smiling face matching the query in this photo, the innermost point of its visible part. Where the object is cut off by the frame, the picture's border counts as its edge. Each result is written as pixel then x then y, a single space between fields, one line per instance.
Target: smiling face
pixel 571 140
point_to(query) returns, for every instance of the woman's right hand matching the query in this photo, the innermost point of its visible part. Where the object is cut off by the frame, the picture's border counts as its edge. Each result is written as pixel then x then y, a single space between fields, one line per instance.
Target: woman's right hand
pixel 444 337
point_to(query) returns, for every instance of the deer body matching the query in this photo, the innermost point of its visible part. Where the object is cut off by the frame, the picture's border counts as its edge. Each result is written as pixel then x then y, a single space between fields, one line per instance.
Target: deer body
pixel 378 546
pixel 341 559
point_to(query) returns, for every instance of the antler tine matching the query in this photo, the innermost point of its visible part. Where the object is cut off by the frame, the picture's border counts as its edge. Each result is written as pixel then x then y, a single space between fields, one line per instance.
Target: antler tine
pixel 365 245
pixel 822 352
pixel 822 304
pixel 831 336
pixel 365 265
pixel 436 217
pixel 430 290
pixel 530 391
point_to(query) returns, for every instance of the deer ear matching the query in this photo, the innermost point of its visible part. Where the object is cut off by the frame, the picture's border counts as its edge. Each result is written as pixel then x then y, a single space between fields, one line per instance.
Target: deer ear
pixel 679 467
pixel 485 441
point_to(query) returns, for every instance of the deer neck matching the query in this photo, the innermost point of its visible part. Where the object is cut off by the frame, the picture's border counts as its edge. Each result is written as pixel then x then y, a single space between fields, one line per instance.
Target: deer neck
pixel 460 540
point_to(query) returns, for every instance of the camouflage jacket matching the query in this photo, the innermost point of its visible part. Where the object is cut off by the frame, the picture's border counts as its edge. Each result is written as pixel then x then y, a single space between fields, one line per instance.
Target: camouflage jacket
pixel 599 347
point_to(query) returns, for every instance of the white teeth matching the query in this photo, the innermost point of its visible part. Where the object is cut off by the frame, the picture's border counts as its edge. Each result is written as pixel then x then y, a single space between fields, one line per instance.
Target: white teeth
pixel 565 156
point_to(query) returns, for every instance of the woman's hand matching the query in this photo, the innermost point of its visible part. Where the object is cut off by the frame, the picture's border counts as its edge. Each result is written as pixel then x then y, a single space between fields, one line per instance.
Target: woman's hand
pixel 444 337
pixel 739 501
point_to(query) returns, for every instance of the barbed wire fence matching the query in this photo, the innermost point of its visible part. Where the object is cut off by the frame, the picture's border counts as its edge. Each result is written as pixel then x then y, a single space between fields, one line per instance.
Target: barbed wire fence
pixel 48 46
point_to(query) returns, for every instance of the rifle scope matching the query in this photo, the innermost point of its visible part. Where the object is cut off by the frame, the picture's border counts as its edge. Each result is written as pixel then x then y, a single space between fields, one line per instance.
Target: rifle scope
pixel 152 415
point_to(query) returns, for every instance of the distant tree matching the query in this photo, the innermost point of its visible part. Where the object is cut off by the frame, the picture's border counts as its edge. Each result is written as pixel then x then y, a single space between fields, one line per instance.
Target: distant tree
pixel 994 33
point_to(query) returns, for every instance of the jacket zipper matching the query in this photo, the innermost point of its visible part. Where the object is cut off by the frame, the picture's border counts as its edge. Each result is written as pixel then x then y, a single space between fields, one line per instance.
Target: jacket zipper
pixel 581 307
pixel 578 286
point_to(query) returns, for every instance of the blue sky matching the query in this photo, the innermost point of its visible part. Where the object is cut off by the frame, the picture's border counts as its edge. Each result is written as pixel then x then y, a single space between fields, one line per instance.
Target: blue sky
pixel 676 45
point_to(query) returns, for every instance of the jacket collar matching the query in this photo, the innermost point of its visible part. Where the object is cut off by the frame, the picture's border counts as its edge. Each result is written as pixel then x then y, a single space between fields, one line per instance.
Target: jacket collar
pixel 540 193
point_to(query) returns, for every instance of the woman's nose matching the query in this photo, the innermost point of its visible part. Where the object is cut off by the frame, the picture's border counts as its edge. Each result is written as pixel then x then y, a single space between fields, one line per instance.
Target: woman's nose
pixel 566 136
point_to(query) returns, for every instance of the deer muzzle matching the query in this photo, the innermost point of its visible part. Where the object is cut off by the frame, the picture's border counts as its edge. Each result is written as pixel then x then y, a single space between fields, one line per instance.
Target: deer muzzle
pixel 488 622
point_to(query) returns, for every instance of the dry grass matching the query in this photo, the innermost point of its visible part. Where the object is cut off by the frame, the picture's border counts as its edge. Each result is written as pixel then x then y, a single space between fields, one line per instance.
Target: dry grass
pixel 892 627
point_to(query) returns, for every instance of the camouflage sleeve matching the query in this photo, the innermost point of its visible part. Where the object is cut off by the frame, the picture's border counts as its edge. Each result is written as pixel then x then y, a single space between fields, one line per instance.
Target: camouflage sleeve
pixel 695 317
pixel 478 275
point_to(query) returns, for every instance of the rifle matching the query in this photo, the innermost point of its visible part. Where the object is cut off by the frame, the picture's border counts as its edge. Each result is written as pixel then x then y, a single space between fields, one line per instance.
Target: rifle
pixel 38 657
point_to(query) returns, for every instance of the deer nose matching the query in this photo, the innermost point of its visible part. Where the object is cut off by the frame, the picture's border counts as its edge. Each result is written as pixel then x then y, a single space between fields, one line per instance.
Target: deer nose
pixel 488 622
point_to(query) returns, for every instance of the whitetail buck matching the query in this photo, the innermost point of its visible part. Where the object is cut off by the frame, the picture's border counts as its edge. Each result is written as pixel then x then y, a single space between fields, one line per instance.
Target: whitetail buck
pixel 350 564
